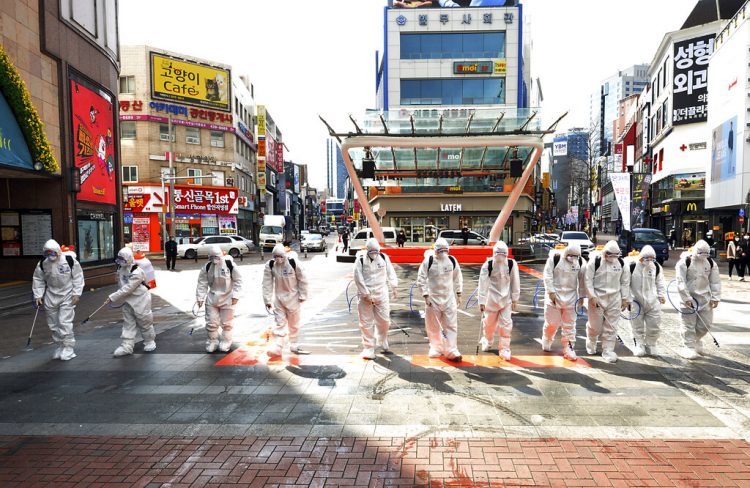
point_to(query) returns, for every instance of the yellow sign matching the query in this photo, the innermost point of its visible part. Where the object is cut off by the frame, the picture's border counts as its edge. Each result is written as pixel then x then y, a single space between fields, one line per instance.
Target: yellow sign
pixel 261 166
pixel 262 179
pixel 545 180
pixel 692 207
pixel 261 120
pixel 501 67
pixel 177 80
pixel 333 218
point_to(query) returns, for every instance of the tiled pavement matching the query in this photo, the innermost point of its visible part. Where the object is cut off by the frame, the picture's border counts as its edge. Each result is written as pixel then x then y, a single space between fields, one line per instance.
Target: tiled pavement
pixel 369 462
pixel 331 419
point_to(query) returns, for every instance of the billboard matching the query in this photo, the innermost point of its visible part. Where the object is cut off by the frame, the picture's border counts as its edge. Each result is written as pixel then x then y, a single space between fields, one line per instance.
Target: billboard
pixel 94 143
pixel 690 82
pixel 621 188
pixel 560 146
pixel 189 82
pixel 723 153
pixel 450 3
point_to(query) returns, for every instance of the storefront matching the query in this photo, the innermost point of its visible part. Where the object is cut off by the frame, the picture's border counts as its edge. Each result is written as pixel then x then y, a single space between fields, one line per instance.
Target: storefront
pixel 200 211
pixel 422 217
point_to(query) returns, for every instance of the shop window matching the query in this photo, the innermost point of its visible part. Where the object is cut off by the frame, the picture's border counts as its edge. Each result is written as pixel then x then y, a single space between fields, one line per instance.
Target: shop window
pixel 25 232
pixel 127 130
pixel 192 135
pixel 127 84
pixel 96 238
pixel 195 174
pixel 217 138
pixel 164 132
pixel 130 174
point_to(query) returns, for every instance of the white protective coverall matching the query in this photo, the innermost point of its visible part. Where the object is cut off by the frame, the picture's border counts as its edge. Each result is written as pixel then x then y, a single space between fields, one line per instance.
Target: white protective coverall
pixel 648 289
pixel 608 289
pixel 700 282
pixel 58 287
pixel 284 288
pixel 498 296
pixel 564 283
pixel 374 276
pixel 219 286
pixel 440 283
pixel 136 304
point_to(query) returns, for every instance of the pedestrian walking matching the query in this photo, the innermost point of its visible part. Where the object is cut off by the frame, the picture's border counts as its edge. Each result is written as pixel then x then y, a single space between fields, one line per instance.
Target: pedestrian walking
pixel 608 288
pixel 744 255
pixel 284 291
pixel 136 304
pixel 401 238
pixel 672 238
pixel 219 286
pixel 57 286
pixel 465 235
pixel 376 283
pixel 648 289
pixel 699 286
pixel 563 284
pixel 441 282
pixel 732 256
pixel 171 250
pixel 499 291
pixel 345 239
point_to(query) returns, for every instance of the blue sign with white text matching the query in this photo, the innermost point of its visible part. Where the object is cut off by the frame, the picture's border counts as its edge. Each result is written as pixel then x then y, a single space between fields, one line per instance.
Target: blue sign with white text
pixel 13 148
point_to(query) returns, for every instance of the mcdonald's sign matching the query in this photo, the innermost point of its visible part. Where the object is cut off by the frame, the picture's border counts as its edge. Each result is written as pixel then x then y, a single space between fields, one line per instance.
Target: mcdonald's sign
pixel 692 207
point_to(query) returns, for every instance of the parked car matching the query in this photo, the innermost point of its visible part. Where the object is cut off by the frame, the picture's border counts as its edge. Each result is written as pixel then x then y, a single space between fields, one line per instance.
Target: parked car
pixel 546 240
pixel 312 242
pixel 456 237
pixel 230 246
pixel 360 239
pixel 643 236
pixel 580 238
pixel 248 242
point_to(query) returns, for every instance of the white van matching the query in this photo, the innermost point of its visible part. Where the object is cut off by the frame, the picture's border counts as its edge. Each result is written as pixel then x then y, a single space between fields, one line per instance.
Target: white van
pixel 360 239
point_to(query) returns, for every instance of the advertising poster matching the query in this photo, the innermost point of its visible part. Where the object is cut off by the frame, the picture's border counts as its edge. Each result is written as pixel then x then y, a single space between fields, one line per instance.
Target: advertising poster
pixel 689 182
pixel 227 225
pixel 88 241
pixel 141 234
pixel 94 144
pixel 621 187
pixel 690 86
pixel 723 153
pixel 560 146
pixel 174 79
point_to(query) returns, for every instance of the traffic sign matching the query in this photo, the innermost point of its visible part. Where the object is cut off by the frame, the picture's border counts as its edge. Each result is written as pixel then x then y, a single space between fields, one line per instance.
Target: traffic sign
pixel 742 220
pixel 742 212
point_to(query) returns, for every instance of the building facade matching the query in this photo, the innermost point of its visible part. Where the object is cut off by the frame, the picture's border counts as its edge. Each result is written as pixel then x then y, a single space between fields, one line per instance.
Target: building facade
pixel 197 138
pixel 449 63
pixel 60 154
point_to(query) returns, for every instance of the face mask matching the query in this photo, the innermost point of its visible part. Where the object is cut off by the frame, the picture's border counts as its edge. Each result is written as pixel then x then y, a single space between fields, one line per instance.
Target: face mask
pixel 610 256
pixel 215 259
pixel 501 256
pixel 572 258
pixel 51 255
pixel 442 252
pixel 702 255
pixel 120 261
pixel 279 259
pixel 647 261
pixel 372 254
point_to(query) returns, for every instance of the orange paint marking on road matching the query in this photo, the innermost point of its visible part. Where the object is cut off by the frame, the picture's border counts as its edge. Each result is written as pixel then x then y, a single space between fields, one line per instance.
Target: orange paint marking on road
pixel 254 352
pixel 493 361
pixel 531 271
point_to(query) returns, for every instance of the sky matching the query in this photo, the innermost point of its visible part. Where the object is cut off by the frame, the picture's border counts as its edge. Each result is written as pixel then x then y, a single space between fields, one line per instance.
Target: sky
pixel 308 58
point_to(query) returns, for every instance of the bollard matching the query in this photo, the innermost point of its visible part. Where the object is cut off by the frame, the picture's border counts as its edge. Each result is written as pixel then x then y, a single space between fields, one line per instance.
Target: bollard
pixel 305 253
pixel 262 258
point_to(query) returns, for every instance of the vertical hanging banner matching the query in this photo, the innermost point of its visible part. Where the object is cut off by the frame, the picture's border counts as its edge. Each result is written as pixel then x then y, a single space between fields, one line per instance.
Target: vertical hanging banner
pixel 621 187
pixel 690 90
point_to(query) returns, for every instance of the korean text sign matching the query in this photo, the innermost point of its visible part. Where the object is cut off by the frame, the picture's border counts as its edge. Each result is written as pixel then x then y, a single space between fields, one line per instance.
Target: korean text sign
pixel 690 85
pixel 94 144
pixel 206 200
pixel 205 86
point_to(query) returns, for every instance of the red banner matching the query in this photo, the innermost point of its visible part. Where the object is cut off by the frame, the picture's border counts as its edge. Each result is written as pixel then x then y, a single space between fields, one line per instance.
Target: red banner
pixel 206 200
pixel 94 144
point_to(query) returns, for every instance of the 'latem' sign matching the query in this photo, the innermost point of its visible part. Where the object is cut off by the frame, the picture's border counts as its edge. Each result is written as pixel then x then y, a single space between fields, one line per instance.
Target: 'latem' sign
pixel 450 207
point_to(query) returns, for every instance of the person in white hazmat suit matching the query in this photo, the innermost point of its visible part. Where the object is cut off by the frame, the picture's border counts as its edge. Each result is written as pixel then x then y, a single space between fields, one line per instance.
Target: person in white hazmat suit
pixel 564 283
pixel 499 291
pixel 374 276
pixel 648 289
pixel 219 286
pixel 440 280
pixel 284 290
pixel 608 289
pixel 136 304
pixel 699 286
pixel 57 286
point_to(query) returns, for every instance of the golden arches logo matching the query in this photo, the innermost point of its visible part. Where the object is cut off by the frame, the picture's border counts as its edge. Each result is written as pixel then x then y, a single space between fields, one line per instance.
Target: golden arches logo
pixel 692 207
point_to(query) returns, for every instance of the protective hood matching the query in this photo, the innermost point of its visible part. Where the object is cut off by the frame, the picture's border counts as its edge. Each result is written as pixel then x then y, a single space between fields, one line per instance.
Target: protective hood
pixel 52 245
pixel 279 251
pixel 701 249
pixel 573 249
pixel 441 244
pixel 611 247
pixel 214 251
pixel 648 252
pixel 500 251
pixel 373 245
pixel 126 254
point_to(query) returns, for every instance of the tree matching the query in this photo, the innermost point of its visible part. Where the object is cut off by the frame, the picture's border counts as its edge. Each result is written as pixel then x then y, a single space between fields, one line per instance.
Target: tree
pixel 584 173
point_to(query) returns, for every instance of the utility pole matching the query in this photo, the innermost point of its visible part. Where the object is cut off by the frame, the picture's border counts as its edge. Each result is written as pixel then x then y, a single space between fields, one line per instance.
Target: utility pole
pixel 171 180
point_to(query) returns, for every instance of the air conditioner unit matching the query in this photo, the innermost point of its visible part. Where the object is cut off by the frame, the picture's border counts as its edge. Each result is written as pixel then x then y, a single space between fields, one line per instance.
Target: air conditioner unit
pixel 164 137
pixel 192 140
pixel 217 143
